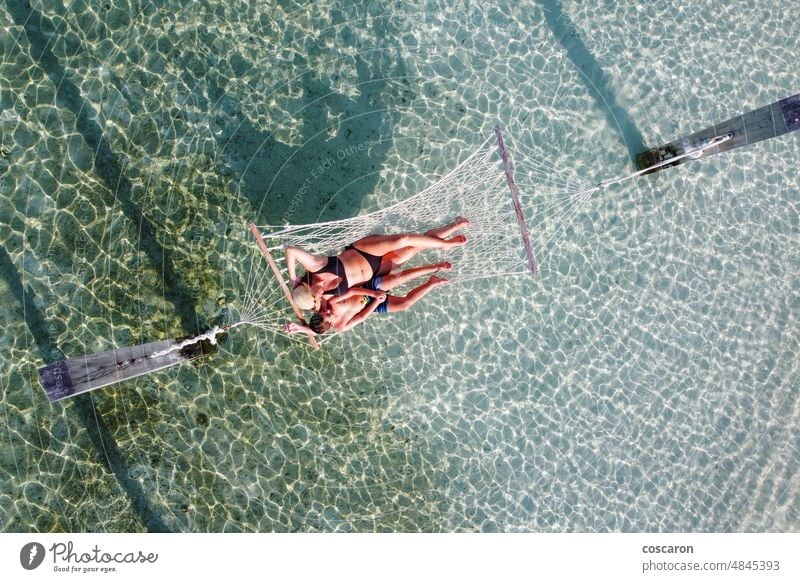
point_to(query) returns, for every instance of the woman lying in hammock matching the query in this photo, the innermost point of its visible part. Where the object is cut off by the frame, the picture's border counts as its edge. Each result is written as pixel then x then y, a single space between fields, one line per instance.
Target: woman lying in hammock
pixel 367 258
pixel 344 312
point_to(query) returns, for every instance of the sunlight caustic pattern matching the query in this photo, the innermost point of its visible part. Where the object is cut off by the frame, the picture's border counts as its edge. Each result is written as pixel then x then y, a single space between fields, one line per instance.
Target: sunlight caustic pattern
pixel 646 381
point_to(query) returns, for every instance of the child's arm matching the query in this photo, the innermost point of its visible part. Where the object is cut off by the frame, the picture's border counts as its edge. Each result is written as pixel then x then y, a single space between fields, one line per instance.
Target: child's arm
pixel 356 291
pixel 363 314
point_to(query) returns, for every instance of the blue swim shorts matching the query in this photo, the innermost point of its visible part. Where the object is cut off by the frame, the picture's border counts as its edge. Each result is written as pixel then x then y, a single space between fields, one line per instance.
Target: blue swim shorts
pixel 375 285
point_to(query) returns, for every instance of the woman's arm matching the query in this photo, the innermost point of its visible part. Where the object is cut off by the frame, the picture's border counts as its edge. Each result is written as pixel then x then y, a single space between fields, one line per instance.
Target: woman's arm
pixel 363 314
pixel 308 261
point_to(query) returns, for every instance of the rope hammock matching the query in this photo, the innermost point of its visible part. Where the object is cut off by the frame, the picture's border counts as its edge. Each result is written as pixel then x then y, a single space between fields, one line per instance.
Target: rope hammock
pixel 482 188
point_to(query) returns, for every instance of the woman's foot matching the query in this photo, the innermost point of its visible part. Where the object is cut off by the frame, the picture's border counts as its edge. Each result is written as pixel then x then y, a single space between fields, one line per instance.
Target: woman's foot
pixel 443 232
pixel 435 281
pixel 443 266
pixel 458 240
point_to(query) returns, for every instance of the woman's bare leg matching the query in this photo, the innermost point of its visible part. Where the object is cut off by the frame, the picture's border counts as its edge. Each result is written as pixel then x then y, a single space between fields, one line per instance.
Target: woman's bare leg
pixel 396 258
pixel 401 248
pixel 448 229
pixel 400 256
pixel 398 304
pixel 380 245
pixel 395 280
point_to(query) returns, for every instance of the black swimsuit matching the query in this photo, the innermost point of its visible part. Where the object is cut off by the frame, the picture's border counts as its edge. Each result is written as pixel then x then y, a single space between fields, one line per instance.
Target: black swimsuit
pixel 374 261
pixel 336 267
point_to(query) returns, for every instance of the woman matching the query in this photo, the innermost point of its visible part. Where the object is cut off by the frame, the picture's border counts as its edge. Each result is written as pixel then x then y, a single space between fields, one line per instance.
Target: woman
pixel 362 261
pixel 344 312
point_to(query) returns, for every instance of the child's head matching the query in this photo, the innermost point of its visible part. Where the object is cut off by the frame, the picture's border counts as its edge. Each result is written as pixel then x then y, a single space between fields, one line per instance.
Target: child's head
pixel 318 324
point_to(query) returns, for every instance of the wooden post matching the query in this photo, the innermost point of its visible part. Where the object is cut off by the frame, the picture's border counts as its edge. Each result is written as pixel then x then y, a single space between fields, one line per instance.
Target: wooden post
pixel 772 120
pixel 73 376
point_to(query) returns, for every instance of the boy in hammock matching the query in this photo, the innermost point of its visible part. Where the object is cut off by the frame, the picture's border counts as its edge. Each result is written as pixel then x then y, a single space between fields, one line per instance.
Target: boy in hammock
pixel 344 312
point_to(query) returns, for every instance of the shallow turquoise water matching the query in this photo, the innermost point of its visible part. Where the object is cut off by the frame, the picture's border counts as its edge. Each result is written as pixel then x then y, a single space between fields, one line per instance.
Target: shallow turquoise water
pixel 647 381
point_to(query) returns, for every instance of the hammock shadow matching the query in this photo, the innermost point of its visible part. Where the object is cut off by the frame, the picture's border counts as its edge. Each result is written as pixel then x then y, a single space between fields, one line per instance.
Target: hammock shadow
pixel 326 177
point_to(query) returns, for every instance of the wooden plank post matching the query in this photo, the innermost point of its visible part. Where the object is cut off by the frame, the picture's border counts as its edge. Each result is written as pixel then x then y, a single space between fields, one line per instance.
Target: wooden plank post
pixel 770 121
pixel 73 376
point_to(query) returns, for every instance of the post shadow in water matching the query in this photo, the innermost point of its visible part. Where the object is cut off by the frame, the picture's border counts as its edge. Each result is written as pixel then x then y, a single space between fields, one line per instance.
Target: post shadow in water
pixel 40 32
pixel 595 79
pixel 104 443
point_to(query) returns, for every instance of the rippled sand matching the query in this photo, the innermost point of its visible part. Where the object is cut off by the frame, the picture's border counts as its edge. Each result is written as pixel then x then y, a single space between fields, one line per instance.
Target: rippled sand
pixel 647 381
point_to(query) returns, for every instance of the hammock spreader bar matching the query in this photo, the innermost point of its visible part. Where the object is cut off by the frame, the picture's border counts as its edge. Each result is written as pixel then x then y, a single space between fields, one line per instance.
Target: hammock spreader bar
pixel 273 265
pixel 515 197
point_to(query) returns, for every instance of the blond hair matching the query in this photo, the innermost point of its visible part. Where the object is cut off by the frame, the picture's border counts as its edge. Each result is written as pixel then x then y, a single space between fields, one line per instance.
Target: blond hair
pixel 304 297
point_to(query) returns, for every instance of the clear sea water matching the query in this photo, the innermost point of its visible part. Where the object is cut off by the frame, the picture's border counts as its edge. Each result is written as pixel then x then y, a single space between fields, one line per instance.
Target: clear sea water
pixel 647 381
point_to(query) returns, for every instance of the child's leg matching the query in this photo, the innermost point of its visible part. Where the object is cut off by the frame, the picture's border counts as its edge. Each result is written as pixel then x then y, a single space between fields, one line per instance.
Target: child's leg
pixel 398 304
pixel 395 280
